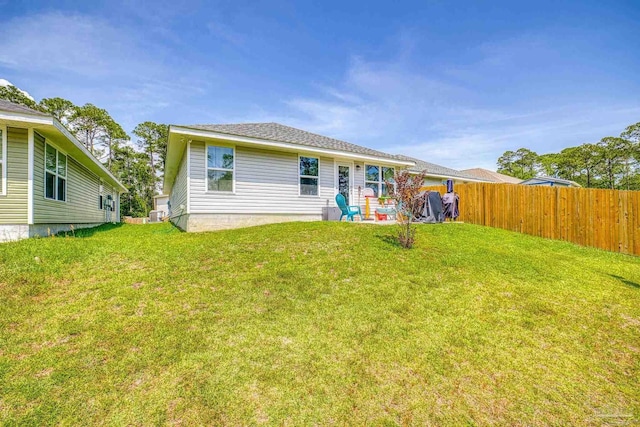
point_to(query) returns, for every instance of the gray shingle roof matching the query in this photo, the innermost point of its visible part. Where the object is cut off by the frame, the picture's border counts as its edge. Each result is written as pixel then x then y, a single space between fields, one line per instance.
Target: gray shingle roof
pixel 433 168
pixel 19 108
pixel 281 133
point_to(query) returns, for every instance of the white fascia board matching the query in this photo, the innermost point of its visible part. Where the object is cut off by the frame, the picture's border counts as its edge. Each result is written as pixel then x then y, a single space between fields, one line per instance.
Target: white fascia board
pixel 287 146
pixel 19 117
pixel 188 166
pixel 30 168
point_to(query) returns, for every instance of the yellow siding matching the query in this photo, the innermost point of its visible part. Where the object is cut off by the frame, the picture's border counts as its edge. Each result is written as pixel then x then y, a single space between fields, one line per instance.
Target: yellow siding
pixel 13 206
pixel 83 191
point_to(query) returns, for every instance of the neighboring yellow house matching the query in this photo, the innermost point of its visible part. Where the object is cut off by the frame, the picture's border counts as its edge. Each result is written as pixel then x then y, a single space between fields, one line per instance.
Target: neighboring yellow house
pixel 49 181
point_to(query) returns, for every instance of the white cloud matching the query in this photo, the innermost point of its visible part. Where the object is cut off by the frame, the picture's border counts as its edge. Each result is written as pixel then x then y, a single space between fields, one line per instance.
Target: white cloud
pixel 5 83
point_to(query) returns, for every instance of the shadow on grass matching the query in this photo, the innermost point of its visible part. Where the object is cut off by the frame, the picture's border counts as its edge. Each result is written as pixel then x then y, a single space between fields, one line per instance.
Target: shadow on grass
pixel 88 232
pixel 389 239
pixel 625 281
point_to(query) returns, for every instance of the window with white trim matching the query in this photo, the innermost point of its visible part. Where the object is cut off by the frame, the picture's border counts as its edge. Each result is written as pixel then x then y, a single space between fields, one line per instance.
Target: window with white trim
pixel 375 178
pixel 55 174
pixel 220 168
pixel 3 162
pixel 308 176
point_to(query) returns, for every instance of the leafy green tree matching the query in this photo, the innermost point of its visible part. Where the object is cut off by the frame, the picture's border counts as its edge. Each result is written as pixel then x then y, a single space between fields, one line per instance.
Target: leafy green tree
pixel 579 163
pixel 88 123
pixel 611 163
pixel 506 163
pixel 526 162
pixel 568 164
pixel 614 156
pixel 13 94
pixel 113 137
pixel 632 133
pixel 60 108
pixel 133 170
pixel 548 164
pixel 588 160
pixel 523 163
pixel 152 140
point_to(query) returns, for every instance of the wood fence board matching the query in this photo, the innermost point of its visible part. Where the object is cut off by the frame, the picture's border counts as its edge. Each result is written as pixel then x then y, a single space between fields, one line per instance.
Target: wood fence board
pixel 606 219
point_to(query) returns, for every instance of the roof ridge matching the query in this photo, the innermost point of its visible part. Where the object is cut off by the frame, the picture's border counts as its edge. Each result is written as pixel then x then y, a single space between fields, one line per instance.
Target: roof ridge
pixel 17 107
pixel 274 131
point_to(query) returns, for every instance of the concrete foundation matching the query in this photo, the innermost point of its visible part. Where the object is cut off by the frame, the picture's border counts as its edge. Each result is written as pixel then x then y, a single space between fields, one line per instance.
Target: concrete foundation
pixel 212 222
pixel 11 232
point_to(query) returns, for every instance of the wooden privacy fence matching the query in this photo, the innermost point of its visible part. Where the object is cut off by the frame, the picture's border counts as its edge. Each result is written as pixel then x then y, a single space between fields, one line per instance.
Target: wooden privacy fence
pixel 605 219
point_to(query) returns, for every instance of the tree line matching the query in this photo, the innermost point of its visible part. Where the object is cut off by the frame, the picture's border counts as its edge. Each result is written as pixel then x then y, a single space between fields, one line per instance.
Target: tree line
pixel 138 164
pixel 613 162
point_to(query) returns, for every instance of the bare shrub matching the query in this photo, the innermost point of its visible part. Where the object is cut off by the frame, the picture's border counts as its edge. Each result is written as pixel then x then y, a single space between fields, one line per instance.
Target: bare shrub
pixel 405 191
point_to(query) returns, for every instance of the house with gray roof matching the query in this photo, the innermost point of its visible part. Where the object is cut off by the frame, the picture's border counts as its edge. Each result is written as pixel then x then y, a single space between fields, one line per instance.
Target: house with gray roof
pixel 549 181
pixel 492 176
pixel 234 175
pixel 49 181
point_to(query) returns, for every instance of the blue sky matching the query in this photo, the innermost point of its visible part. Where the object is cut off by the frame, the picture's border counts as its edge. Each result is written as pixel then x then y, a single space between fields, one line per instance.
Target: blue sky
pixel 455 83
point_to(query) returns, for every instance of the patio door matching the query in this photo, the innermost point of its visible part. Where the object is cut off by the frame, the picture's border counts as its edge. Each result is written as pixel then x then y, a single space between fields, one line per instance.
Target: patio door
pixel 344 180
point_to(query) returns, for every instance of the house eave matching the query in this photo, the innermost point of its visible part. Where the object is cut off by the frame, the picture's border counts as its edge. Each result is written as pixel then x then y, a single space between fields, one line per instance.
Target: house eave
pixel 286 145
pixel 51 126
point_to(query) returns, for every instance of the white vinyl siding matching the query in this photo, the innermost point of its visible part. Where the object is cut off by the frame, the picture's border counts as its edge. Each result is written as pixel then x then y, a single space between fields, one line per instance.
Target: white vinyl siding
pixel 266 182
pixel 178 196
pixel 14 204
pixel 82 195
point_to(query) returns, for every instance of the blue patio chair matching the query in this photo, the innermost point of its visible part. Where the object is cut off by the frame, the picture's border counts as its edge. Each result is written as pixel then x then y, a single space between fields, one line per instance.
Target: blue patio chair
pixel 348 211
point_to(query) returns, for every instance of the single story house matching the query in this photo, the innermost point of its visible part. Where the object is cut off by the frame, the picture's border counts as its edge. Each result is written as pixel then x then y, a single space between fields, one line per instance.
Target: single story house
pixel 49 181
pixel 492 176
pixel 234 175
pixel 550 182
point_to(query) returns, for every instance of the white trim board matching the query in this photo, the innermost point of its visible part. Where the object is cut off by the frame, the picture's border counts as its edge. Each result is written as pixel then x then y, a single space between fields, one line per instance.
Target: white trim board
pixel 3 149
pixel 188 166
pixel 30 167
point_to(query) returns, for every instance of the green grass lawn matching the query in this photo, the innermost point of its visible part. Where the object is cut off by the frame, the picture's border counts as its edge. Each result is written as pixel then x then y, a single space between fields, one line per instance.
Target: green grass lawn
pixel 316 323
